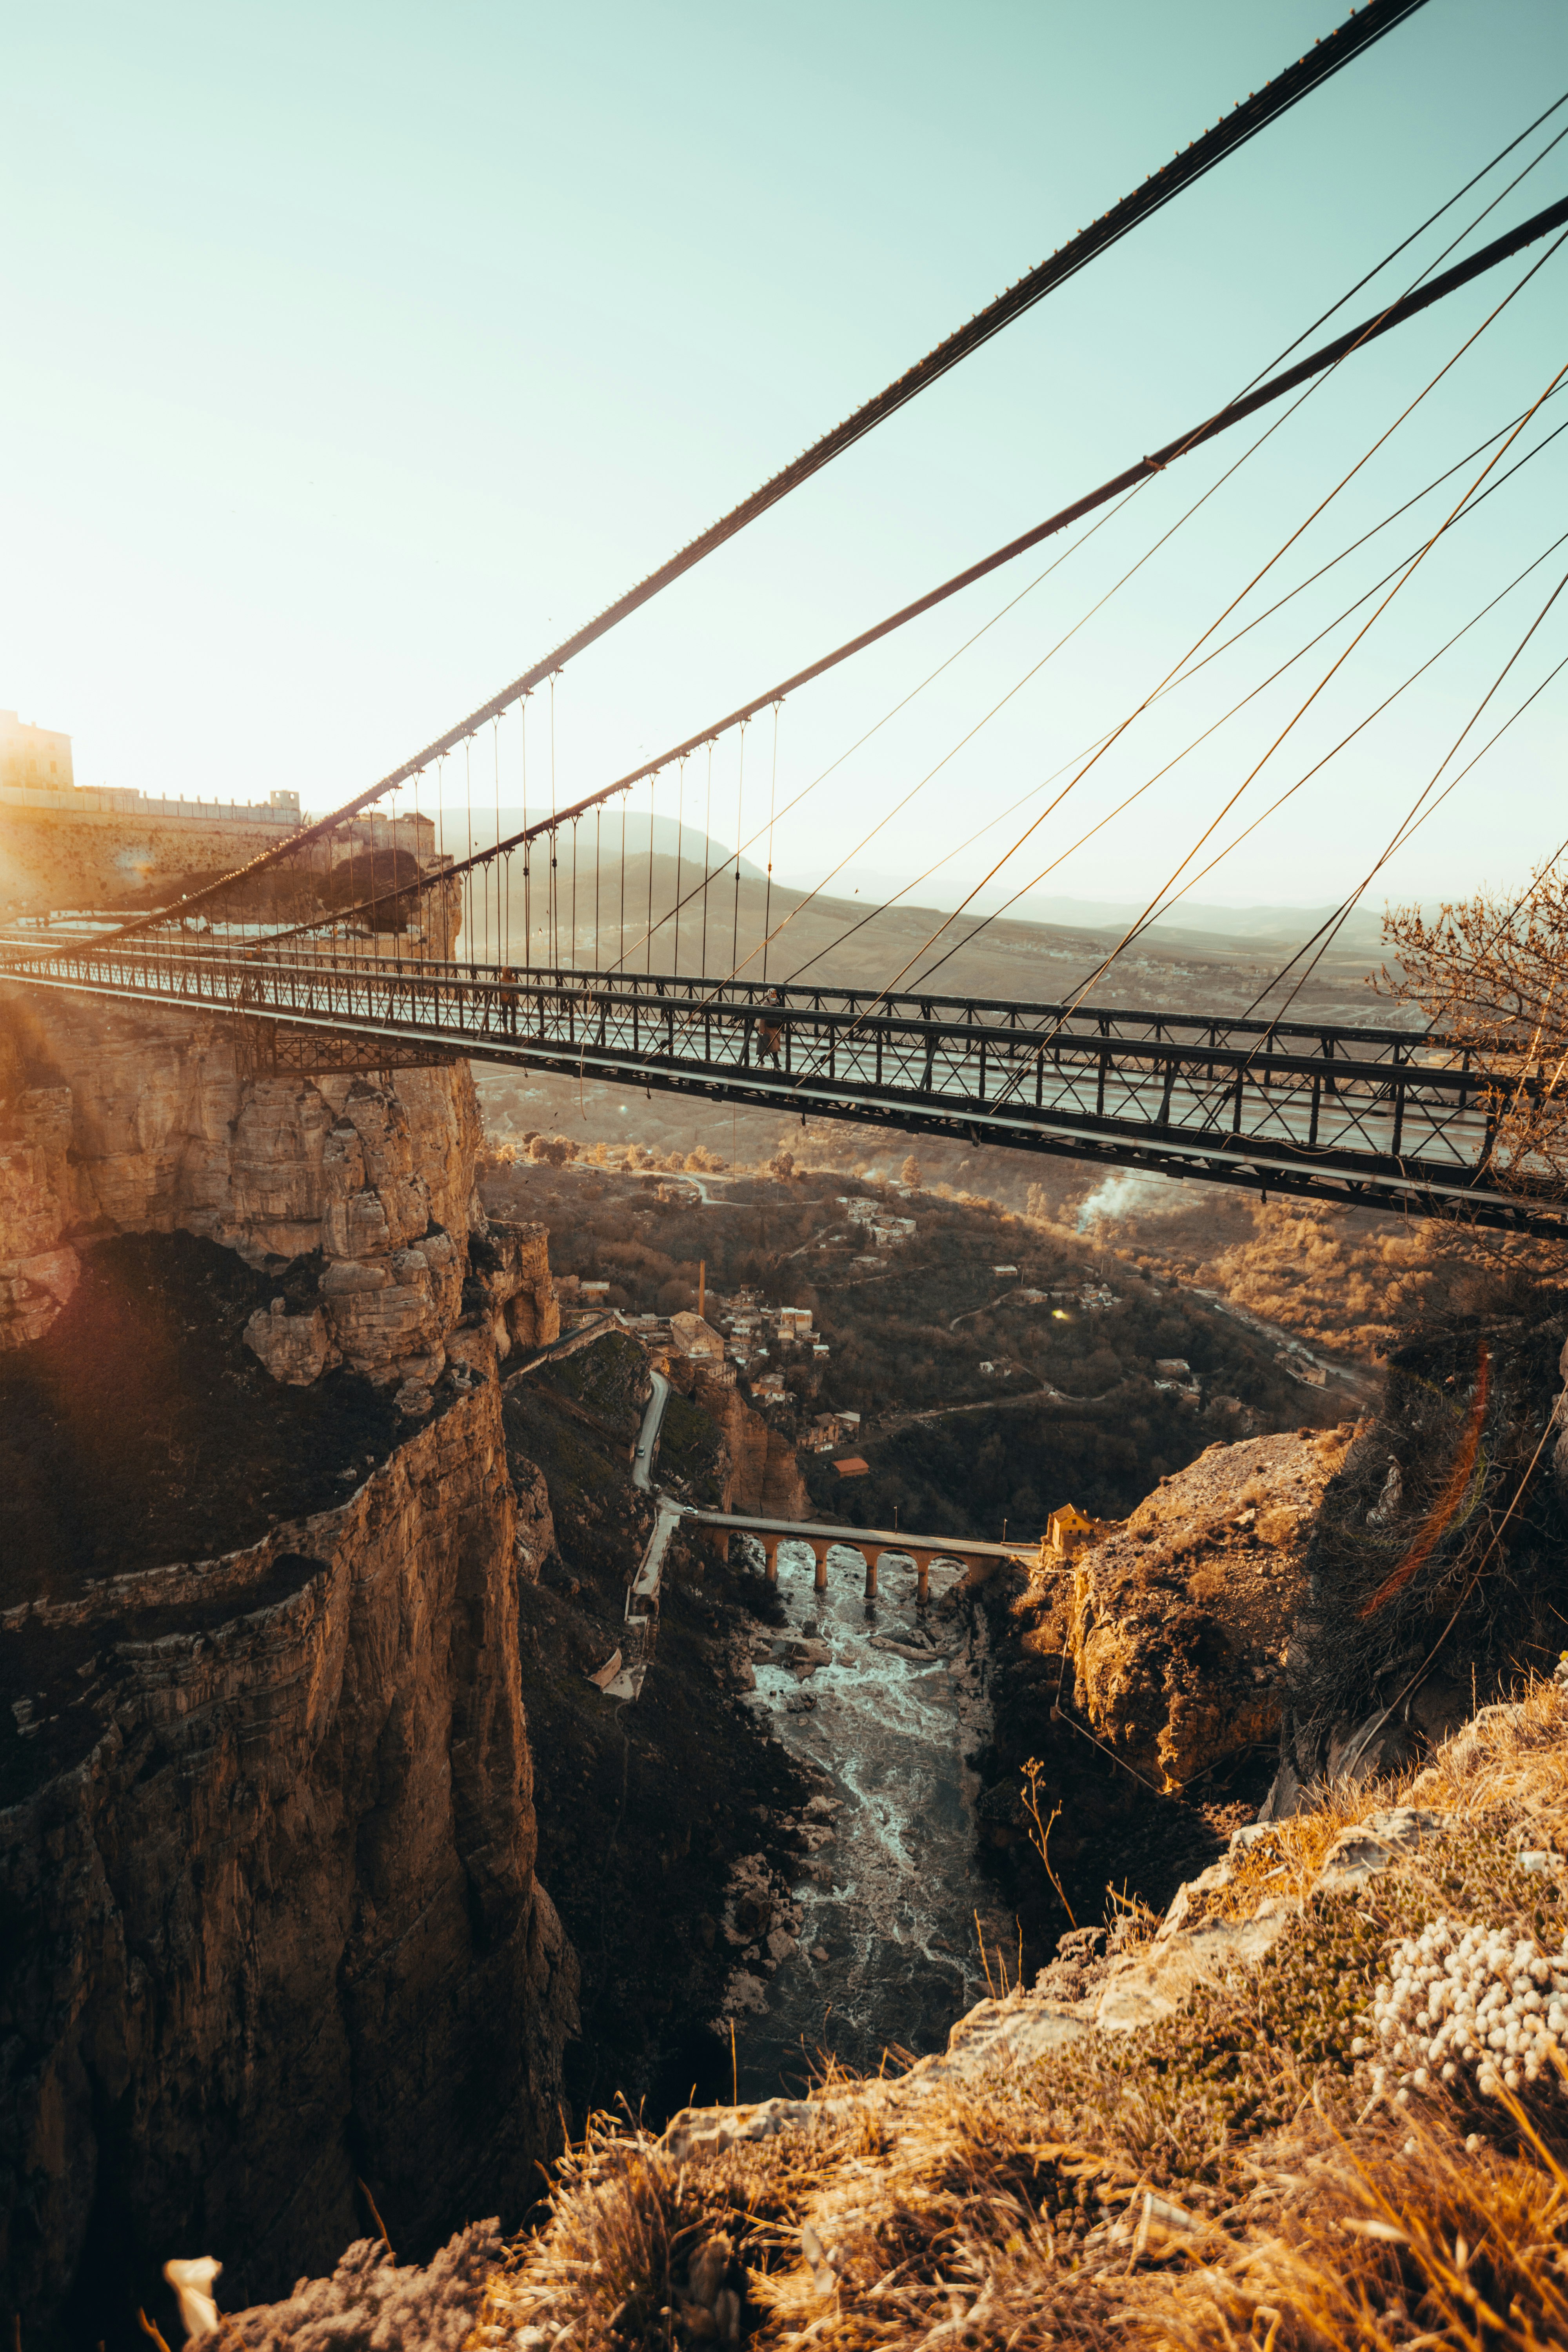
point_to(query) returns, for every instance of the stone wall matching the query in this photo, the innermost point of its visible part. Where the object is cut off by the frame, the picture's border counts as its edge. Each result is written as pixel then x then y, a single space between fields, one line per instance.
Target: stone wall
pixel 267 1851
pixel 72 854
pixel 95 857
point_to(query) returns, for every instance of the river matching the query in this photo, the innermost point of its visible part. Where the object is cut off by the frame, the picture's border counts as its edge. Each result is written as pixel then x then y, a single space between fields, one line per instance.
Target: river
pixel 888 1952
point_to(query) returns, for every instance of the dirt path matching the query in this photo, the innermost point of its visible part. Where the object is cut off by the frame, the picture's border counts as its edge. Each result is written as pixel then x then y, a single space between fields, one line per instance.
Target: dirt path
pixel 985 1404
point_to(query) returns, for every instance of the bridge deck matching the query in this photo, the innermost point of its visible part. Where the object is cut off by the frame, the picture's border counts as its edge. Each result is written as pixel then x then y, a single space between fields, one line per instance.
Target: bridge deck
pixel 1374 1117
pixel 893 1539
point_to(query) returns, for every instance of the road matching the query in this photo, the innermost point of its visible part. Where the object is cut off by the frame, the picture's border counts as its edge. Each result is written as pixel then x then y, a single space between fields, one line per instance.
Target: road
pixel 647 1435
pixel 644 1584
pixel 1361 1383
pixel 684 1176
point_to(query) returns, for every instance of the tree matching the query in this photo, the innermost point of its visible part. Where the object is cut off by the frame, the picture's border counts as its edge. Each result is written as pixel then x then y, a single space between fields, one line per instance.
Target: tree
pixel 909 1173
pixel 1492 976
pixel 552 1150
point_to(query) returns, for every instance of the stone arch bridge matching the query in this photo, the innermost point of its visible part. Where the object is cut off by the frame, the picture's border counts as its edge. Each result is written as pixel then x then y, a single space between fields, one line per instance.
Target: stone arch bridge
pixel 978 1557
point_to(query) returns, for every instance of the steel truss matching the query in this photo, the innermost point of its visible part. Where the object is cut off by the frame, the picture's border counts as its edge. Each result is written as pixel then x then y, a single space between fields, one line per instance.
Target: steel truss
pixel 1384 1118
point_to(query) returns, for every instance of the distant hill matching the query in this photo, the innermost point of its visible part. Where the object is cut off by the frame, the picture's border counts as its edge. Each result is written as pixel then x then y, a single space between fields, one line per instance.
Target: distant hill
pixel 490 824
pixel 1188 925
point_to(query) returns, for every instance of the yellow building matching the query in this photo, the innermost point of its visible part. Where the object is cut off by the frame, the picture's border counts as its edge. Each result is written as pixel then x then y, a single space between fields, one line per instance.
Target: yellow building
pixel 1066 1532
pixel 36 757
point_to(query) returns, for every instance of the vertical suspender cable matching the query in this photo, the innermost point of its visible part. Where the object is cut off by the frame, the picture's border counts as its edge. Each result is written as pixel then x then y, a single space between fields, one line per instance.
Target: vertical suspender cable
pixel 707 855
pixel 740 789
pixel 650 792
pixel 554 906
pixel 527 851
pixel 469 812
pixel 441 840
pixel 772 795
pixel 598 952
pixel 574 959
pixel 621 935
pixel 679 838
pixel 421 901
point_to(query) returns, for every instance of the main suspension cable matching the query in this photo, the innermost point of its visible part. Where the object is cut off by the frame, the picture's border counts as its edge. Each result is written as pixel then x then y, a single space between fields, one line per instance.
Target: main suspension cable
pixel 1328 356
pixel 1364 460
pixel 1357 33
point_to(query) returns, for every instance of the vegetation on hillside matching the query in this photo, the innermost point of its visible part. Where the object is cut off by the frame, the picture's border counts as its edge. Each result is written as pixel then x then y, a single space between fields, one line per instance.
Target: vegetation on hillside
pixel 1040 1401
pixel 1230 2176
pixel 1487 973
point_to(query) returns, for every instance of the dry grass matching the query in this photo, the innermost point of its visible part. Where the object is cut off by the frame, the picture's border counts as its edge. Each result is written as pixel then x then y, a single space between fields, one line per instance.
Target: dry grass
pixel 1411 2240
pixel 1227 2177
pixel 1508 1768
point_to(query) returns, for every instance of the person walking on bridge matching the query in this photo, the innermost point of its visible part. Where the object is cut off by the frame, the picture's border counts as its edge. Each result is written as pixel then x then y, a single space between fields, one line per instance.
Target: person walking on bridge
pixel 771 1031
pixel 507 997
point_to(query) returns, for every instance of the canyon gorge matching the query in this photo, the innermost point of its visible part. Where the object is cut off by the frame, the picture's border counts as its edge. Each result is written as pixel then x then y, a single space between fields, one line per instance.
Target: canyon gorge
pixel 336 1891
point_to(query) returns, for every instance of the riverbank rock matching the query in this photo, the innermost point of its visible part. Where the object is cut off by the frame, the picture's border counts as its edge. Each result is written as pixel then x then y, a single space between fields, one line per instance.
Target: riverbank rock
pixel 1180 1620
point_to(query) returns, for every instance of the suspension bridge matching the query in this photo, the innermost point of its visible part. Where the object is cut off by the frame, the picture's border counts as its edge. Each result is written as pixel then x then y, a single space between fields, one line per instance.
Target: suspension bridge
pixel 1367 1118
pixel 395 932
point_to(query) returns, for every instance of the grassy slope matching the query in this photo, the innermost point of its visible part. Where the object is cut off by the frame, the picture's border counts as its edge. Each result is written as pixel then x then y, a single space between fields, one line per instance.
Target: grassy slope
pixel 1292 2206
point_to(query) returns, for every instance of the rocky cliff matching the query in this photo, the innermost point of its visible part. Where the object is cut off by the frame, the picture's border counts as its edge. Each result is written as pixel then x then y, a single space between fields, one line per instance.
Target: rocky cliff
pixel 266 1866
pixel 1435 1574
pixel 1179 1620
pixel 745 1464
pixel 115 1121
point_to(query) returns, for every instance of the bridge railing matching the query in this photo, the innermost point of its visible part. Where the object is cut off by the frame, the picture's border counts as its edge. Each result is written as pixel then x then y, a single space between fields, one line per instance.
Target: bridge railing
pixel 692 995
pixel 1390 1103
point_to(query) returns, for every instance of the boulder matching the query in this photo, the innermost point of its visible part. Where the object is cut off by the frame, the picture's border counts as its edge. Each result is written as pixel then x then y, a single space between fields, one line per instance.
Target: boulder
pixel 295 1349
pixel 1179 1619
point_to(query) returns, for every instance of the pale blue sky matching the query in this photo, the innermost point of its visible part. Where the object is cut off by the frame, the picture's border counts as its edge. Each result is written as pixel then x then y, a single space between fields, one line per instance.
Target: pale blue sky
pixel 355 355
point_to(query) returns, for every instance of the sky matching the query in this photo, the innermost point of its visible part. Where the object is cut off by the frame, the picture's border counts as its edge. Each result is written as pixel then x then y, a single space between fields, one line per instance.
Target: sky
pixel 356 356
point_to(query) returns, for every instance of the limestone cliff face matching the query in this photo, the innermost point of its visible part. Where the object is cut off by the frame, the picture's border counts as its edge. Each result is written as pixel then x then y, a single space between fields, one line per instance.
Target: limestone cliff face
pixel 1179 1620
pixel 115 1121
pixel 267 1856
pixel 759 1472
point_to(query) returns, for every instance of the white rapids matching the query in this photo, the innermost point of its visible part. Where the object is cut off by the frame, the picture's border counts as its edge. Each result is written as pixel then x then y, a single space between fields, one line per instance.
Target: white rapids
pixel 888 1953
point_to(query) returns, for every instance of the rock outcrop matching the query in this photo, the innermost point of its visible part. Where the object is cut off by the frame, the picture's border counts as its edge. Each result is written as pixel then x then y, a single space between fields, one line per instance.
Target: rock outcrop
pixel 760 1475
pixel 1434 1573
pixel 1180 1620
pixel 115 1121
pixel 267 1863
